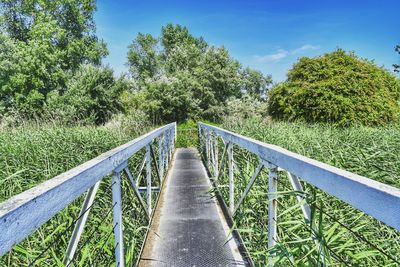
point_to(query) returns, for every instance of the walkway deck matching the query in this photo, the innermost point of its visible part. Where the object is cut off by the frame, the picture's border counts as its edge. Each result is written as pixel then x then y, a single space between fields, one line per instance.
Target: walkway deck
pixel 188 227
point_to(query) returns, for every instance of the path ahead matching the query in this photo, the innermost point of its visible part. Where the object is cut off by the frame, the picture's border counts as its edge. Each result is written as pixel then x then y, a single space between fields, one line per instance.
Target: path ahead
pixel 189 228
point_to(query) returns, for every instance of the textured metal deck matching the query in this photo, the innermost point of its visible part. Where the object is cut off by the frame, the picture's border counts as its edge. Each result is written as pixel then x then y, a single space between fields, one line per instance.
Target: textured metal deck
pixel 188 228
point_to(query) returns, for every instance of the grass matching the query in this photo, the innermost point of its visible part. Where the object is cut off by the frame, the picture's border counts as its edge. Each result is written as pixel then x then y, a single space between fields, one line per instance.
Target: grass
pixel 34 153
pixel 372 152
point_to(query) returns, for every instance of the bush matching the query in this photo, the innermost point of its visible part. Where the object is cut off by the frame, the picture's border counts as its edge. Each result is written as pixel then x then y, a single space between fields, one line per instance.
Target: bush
pixel 245 107
pixel 92 92
pixel 338 88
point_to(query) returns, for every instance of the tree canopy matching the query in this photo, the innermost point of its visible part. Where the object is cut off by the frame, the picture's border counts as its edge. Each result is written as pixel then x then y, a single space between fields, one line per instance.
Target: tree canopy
pixel 41 41
pixel 180 76
pixel 339 88
pixel 397 66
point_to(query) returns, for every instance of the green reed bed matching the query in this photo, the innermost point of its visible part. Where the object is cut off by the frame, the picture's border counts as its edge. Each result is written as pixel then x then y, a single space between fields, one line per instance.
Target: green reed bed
pixel 31 154
pixel 347 236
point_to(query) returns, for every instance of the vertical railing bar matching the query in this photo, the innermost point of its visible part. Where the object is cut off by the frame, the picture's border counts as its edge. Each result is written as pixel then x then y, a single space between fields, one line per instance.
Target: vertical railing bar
pixel 160 156
pixel 208 149
pixel 272 205
pixel 80 224
pixel 212 153
pixel 166 154
pixel 117 219
pixel 231 178
pixel 216 171
pixel 249 185
pixel 148 178
pixel 136 190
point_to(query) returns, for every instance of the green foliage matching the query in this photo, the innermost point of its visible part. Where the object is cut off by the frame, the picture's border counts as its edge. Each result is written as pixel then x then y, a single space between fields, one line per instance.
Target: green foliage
pixel 143 58
pixel 181 77
pixel 367 151
pixel 245 107
pixel 91 92
pixel 338 88
pixel 33 153
pixel 187 134
pixel 397 66
pixel 41 42
pixel 255 83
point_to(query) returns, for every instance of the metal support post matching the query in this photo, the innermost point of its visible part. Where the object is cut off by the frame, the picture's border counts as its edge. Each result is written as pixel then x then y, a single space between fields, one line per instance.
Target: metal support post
pixel 231 179
pixel 148 178
pixel 117 218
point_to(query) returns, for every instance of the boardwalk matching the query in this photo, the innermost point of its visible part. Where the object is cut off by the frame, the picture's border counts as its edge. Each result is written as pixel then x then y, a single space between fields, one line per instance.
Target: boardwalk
pixel 188 228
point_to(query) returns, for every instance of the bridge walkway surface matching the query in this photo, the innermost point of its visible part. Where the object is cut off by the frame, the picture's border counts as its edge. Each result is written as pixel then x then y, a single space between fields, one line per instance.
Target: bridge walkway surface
pixel 188 226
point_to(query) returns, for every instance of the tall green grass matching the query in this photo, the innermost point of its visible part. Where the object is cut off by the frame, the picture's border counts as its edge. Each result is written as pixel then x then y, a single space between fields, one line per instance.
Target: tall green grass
pixel 372 152
pixel 33 153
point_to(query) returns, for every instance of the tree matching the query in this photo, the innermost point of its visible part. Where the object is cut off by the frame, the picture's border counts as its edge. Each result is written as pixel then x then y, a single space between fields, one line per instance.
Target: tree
pixel 181 77
pixel 44 41
pixel 338 88
pixel 397 66
pixel 91 92
pixel 255 82
pixel 143 57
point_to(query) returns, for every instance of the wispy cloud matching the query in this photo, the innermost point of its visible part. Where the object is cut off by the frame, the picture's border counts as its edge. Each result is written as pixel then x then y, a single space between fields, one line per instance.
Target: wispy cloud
pixel 305 48
pixel 282 53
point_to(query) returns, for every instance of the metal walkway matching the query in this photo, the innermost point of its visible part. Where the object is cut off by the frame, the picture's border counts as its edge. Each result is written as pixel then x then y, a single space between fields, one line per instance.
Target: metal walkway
pixel 188 227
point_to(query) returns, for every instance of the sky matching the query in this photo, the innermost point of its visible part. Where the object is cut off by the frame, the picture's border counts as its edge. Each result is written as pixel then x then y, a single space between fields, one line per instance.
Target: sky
pixel 267 35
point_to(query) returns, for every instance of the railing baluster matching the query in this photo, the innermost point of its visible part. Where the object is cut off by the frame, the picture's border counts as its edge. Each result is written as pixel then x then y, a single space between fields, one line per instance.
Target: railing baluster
pixel 208 150
pixel 216 172
pixel 166 149
pixel 117 218
pixel 231 178
pixel 272 204
pixel 80 224
pixel 160 156
pixel 148 178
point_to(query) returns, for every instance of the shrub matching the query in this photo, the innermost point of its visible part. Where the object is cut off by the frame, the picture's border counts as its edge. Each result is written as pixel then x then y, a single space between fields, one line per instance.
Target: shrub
pixel 338 88
pixel 92 92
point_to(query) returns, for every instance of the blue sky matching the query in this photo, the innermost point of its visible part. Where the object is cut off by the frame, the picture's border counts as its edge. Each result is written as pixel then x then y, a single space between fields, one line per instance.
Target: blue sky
pixel 268 35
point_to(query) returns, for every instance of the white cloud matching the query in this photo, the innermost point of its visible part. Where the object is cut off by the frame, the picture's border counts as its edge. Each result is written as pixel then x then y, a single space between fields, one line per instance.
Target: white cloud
pixel 282 53
pixel 304 48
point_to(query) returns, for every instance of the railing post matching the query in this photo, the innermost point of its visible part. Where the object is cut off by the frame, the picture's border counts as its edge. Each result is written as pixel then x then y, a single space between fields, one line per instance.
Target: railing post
pixel 272 204
pixel 166 155
pixel 216 170
pixel 160 157
pixel 208 149
pixel 148 178
pixel 171 143
pixel 117 218
pixel 231 178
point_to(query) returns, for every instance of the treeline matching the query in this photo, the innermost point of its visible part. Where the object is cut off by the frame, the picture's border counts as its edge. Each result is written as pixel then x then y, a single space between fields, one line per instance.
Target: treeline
pixel 180 77
pixel 50 66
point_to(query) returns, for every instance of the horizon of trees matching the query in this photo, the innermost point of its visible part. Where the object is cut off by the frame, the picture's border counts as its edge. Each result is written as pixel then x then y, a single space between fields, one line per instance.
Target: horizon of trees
pixel 51 67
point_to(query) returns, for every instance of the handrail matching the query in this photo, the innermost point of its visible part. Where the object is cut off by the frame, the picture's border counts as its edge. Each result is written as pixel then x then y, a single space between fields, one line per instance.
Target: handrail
pixel 377 199
pixel 27 211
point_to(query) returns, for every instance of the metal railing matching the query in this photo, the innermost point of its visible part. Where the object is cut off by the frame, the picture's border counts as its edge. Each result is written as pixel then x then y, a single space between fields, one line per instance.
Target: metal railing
pixel 22 214
pixel 376 199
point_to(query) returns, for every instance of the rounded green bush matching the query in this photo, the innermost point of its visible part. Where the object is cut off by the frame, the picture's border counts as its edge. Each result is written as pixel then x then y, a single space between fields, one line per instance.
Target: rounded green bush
pixel 339 88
